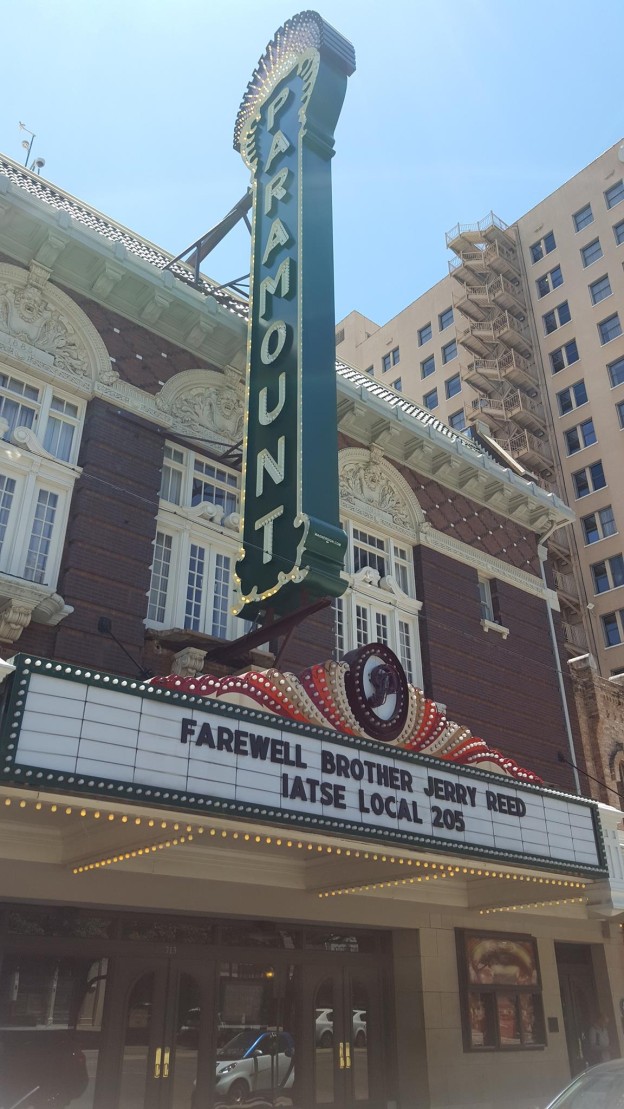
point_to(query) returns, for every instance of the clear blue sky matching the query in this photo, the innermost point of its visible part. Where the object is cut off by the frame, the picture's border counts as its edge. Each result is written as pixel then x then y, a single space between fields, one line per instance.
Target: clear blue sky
pixel 457 107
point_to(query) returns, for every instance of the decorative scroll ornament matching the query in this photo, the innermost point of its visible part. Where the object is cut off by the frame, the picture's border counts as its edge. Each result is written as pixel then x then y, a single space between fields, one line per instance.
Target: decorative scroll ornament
pixel 366 695
pixel 293 545
pixel 373 489
pixel 43 327
pixel 204 405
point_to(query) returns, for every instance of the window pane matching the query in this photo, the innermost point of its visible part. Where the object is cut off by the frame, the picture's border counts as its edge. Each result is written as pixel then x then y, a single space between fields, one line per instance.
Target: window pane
pixel 591 253
pixel 195 588
pixel 564 399
pixel 616 372
pixel 611 630
pixel 618 231
pixel 581 484
pixel 616 565
pixel 571 352
pixel 597 475
pixel 160 578
pixel 7 492
pixel 573 442
pixel 339 627
pixel 405 650
pixel 449 351
pixel 543 286
pixel 549 242
pixel 430 400
pixel 214 485
pixel 587 432
pixel 424 334
pixel 580 393
pixel 563 313
pixel 600 289
pixel 590 529
pixel 620 412
pixel 41 536
pixel 428 366
pixel 556 277
pixel 446 318
pixel 58 438
pixel 381 627
pixel 361 625
pixel 221 596
pixel 610 328
pixel 615 194
pixel 600 576
pixel 171 485
pixel 453 386
pixel 583 217
pixel 607 521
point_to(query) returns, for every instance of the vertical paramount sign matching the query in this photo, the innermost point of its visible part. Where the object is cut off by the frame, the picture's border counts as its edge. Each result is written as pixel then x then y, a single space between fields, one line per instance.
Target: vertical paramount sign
pixel 293 545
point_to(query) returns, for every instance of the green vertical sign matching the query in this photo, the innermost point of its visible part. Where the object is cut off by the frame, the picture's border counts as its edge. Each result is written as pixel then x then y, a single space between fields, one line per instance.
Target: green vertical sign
pixel 293 545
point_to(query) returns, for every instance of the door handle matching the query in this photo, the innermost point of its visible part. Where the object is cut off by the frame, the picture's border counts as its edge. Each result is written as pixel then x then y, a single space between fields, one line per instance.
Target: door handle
pixel 157 1058
pixel 348 1053
pixel 341 1057
pixel 166 1062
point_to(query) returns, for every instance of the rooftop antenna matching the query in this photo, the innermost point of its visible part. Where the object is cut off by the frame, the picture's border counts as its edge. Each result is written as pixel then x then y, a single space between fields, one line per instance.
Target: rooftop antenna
pixel 37 164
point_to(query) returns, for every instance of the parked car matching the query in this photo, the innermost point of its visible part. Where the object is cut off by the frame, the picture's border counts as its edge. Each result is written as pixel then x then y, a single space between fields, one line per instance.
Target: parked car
pixel 324 1027
pixel 600 1087
pixel 253 1061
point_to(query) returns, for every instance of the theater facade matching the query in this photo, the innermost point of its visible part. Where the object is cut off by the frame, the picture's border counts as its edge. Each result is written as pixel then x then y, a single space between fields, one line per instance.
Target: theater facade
pixel 351 862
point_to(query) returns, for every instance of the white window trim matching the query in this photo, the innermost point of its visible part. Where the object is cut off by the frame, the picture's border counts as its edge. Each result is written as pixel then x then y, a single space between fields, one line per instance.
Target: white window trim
pixel 33 468
pixel 492 626
pixel 186 526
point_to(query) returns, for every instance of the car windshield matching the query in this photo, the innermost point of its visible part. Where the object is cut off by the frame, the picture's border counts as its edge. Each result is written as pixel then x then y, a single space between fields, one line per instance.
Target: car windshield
pixel 238 1045
pixel 599 1089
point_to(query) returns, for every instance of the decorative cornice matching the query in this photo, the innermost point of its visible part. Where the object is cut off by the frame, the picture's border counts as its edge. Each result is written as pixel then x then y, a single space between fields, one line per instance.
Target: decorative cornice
pixel 487 564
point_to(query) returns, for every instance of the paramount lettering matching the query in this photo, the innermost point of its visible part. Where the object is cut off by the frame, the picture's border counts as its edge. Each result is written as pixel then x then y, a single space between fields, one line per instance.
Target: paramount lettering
pixel 292 539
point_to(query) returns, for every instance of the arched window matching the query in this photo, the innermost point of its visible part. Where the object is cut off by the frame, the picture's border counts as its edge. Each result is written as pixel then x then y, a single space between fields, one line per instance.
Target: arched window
pixel 381 517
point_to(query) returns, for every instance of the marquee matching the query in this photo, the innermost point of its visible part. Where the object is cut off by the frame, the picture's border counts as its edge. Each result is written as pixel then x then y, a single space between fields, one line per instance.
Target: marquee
pixel 84 731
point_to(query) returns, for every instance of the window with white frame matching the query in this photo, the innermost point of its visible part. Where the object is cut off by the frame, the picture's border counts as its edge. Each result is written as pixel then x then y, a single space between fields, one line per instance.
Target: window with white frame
pixel 380 604
pixel 196 546
pixel 583 217
pixel 591 253
pixel 40 430
pixel 551 280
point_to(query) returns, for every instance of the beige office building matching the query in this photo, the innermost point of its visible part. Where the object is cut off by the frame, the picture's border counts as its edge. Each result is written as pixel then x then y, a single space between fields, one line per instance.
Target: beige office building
pixel 522 342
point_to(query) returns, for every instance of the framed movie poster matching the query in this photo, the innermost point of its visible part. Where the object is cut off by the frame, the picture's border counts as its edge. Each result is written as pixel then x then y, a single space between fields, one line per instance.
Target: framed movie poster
pixel 500 991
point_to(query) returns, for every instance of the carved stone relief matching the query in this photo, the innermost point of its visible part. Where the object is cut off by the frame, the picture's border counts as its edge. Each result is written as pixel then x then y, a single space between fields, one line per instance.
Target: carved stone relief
pixel 44 328
pixel 205 405
pixel 374 489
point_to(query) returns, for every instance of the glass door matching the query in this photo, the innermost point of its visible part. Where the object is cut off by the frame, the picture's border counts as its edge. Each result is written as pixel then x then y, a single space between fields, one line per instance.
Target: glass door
pixel 159 1038
pixel 346 1067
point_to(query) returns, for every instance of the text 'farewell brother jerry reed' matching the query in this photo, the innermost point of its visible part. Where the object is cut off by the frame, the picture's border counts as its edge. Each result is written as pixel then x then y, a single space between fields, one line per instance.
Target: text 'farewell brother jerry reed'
pixel 340 767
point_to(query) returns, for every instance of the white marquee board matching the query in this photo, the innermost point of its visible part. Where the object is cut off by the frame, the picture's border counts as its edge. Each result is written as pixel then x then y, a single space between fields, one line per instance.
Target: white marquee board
pixel 88 732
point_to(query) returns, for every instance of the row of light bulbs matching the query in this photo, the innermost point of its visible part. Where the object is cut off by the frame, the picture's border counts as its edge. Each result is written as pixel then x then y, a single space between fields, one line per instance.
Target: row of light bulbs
pixel 437 870
pixel 533 905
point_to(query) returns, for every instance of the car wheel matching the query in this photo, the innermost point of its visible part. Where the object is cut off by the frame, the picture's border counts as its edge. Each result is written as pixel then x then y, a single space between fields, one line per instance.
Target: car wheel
pixel 238 1092
pixel 360 1039
pixel 327 1039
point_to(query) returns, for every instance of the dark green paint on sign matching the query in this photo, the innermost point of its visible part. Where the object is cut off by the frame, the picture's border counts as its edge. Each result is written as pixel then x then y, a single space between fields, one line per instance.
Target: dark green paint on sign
pixel 293 545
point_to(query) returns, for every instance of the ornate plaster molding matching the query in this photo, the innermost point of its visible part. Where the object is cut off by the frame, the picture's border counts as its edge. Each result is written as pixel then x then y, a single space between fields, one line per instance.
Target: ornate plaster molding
pixel 41 328
pixel 371 487
pixel 204 404
pixel 23 601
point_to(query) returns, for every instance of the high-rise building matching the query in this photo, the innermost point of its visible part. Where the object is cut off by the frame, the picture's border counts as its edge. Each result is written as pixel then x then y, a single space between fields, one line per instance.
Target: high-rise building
pixel 522 344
